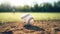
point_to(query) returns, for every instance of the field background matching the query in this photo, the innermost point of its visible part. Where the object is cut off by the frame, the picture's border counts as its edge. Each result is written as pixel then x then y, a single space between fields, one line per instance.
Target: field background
pixel 45 23
pixel 12 17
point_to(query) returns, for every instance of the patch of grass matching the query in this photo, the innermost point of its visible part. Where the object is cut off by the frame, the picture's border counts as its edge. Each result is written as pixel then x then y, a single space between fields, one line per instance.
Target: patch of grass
pixel 12 17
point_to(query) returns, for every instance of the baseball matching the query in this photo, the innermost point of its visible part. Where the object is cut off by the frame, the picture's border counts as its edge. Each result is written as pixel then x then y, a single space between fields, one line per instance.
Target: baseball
pixel 27 18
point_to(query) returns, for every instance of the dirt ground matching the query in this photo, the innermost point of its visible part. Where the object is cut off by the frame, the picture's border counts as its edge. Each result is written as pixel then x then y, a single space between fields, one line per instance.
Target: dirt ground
pixel 38 27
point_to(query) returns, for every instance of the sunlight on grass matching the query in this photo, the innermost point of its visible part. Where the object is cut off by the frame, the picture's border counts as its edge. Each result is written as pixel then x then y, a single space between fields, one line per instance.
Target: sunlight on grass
pixel 10 17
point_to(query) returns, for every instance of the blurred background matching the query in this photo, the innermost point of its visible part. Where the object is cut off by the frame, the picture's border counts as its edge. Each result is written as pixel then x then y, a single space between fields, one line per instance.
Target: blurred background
pixel 12 10
pixel 29 6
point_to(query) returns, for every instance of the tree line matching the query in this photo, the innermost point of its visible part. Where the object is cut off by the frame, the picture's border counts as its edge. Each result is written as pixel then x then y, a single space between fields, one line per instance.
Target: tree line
pixel 44 7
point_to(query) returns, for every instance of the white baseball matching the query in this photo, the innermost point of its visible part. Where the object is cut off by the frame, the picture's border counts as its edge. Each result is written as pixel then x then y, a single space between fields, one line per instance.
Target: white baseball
pixel 27 18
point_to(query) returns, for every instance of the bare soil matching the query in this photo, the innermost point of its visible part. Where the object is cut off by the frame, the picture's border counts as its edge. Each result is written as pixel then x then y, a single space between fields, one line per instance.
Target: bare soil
pixel 38 27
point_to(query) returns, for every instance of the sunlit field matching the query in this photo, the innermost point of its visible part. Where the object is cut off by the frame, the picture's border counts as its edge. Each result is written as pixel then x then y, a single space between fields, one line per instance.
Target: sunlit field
pixel 12 17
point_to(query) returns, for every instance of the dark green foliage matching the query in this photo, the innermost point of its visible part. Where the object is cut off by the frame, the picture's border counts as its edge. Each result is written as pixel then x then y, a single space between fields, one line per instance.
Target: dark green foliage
pixel 45 7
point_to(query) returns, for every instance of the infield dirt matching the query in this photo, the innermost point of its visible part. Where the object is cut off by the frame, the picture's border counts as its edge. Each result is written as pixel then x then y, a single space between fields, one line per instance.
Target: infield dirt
pixel 38 27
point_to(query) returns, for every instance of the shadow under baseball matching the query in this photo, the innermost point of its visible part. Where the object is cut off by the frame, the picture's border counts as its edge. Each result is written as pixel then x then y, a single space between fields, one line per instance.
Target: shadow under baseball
pixel 31 27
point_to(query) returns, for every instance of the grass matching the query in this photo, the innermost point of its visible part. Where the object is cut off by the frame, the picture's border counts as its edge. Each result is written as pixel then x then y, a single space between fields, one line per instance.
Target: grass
pixel 12 17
